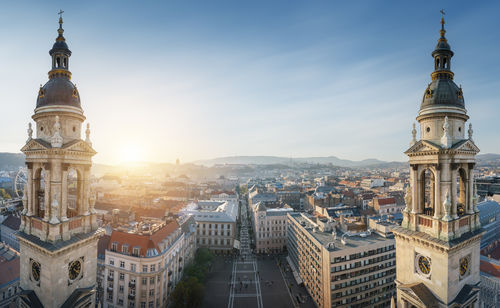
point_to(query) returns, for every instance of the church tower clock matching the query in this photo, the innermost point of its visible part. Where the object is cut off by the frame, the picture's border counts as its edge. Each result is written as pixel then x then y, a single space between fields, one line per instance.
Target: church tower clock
pixel 437 245
pixel 58 233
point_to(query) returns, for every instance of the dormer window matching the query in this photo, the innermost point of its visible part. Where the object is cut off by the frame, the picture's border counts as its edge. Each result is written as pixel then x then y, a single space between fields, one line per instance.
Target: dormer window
pixel 136 251
pixel 125 248
pixel 114 246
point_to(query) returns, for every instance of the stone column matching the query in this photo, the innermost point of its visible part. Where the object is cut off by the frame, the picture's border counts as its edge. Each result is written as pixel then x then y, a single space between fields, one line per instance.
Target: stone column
pixel 454 197
pixel 86 190
pixel 33 195
pixel 437 194
pixel 46 198
pixel 29 191
pixel 414 188
pixel 55 184
pixel 470 189
pixel 64 192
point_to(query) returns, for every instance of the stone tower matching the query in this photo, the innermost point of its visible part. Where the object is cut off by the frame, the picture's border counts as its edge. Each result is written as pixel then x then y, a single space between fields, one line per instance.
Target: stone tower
pixel 58 233
pixel 437 245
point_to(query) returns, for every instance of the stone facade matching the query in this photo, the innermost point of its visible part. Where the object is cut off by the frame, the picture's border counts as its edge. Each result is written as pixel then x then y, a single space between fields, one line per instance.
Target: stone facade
pixel 438 243
pixel 58 233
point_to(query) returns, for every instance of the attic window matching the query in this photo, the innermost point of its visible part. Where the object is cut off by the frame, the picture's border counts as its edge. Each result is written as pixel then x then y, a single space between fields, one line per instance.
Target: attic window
pixel 75 93
pixel 135 251
pixel 114 246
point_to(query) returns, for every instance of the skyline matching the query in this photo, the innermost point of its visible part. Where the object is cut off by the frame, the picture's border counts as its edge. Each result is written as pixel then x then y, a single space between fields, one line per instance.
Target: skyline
pixel 222 85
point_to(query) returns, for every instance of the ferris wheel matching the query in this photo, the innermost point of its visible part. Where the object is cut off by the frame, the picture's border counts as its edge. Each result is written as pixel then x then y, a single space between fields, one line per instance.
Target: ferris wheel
pixel 20 182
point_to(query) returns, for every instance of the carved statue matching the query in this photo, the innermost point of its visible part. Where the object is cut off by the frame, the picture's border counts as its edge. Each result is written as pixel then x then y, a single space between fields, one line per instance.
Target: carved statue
pixel 54 208
pixel 446 139
pixel 87 135
pixel 470 131
pixel 475 198
pixel 56 140
pixel 30 132
pixel 447 207
pixel 414 135
pixel 25 200
pixel 92 199
pixel 407 199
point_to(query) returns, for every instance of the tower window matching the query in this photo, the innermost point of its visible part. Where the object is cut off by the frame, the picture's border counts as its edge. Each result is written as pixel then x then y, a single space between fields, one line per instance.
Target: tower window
pixel 428 129
pixel 65 62
pixel 58 61
pixel 444 63
pixel 459 129
pixel 74 129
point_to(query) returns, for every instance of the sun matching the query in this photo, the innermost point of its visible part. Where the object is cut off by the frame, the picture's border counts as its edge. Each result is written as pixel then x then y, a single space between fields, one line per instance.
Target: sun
pixel 130 153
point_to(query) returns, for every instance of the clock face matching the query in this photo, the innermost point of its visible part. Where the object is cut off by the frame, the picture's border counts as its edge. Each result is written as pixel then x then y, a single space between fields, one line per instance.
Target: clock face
pixel 424 265
pixel 464 266
pixel 75 268
pixel 35 270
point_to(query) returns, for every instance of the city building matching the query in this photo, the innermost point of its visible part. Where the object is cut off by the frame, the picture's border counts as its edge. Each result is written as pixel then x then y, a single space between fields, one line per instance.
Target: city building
pixel 387 205
pixel 58 233
pixel 215 224
pixel 351 269
pixel 489 217
pixel 437 245
pixel 143 267
pixel 490 276
pixel 269 227
pixel 8 229
pixel 9 276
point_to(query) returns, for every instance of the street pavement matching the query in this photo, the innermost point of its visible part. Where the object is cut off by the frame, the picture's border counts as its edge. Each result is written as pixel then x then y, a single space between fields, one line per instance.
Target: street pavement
pixel 247 281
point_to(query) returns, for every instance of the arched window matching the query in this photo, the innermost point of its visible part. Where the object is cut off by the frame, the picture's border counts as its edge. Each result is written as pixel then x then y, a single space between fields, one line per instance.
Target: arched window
pixel 58 62
pixel 437 63
pixel 65 62
pixel 428 192
pixel 444 63
pixel 461 191
pixel 39 200
pixel 74 192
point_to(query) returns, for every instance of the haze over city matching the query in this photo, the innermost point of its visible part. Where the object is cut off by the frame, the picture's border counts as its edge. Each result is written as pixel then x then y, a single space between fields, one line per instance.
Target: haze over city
pixel 209 79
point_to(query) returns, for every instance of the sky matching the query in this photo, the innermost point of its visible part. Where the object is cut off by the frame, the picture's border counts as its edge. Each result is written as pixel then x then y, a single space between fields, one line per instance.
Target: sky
pixel 161 80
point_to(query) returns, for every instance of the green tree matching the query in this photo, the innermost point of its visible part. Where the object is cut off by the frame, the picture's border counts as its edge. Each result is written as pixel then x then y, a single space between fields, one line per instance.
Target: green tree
pixel 187 294
pixel 203 257
pixel 4 194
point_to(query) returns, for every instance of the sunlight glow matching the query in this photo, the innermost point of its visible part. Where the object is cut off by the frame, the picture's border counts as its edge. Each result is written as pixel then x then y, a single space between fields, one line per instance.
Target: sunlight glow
pixel 131 153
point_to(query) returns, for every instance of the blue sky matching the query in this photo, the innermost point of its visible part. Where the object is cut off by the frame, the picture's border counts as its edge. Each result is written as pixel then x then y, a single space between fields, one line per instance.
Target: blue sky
pixel 201 79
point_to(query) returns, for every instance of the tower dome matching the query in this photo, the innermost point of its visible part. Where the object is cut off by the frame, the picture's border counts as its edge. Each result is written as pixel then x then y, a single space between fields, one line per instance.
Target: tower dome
pixel 442 91
pixel 59 90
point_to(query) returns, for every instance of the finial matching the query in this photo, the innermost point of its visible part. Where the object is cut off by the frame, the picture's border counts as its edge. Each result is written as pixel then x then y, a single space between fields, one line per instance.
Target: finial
pixel 30 132
pixel 443 31
pixel 87 135
pixel 446 139
pixel 60 30
pixel 470 131
pixel 414 135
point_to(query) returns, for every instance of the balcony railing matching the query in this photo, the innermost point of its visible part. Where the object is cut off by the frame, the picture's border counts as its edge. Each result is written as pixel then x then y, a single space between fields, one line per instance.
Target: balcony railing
pixel 111 278
pixel 131 296
pixel 131 284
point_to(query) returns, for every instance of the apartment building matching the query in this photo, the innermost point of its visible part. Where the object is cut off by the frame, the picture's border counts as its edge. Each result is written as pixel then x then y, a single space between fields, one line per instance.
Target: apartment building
pixel 387 205
pixel 341 269
pixel 215 224
pixel 143 267
pixel 270 228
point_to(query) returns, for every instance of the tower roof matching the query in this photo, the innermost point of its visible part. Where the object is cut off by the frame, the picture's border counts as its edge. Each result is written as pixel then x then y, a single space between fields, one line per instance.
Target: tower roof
pixel 59 90
pixel 442 91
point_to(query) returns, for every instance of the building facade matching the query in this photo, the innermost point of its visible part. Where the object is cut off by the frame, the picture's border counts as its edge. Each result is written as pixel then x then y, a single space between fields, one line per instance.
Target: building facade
pixel 9 277
pixel 215 224
pixel 8 229
pixel 344 270
pixel 142 268
pixel 270 228
pixel 58 233
pixel 437 245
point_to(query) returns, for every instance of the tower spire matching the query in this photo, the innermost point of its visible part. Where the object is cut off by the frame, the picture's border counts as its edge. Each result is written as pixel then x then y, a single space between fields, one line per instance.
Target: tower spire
pixel 60 30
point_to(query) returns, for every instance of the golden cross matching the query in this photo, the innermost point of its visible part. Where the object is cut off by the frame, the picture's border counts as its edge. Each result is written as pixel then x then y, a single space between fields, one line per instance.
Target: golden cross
pixel 60 13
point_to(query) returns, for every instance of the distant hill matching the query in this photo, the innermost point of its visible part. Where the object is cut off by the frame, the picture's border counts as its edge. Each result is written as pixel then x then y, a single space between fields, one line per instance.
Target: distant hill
pixel 11 161
pixel 270 160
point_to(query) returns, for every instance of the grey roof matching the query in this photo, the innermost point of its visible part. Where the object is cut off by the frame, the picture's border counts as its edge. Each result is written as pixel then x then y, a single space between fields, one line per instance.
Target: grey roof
pixel 59 90
pixel 444 92
pixel 488 209
pixel 12 222
pixel 59 244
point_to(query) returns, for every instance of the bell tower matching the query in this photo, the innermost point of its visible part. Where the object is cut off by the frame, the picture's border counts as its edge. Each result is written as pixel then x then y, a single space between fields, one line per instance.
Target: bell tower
pixel 437 245
pixel 58 233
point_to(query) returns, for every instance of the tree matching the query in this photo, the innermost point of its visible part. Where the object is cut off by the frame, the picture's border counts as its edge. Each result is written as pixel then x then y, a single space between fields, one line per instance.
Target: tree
pixel 203 257
pixel 187 294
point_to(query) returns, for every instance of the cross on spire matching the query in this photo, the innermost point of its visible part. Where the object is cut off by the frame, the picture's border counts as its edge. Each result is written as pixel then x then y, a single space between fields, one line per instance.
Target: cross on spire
pixel 60 13
pixel 442 13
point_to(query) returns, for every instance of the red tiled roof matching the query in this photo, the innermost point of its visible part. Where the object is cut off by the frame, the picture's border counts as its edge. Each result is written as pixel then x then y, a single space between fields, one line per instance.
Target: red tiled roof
pixel 9 270
pixel 490 268
pixel 385 201
pixel 145 242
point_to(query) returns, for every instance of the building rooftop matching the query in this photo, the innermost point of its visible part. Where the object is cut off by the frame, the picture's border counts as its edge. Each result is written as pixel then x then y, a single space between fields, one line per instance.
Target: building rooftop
pixel 150 243
pixel 12 222
pixel 226 211
pixel 9 264
pixel 335 240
